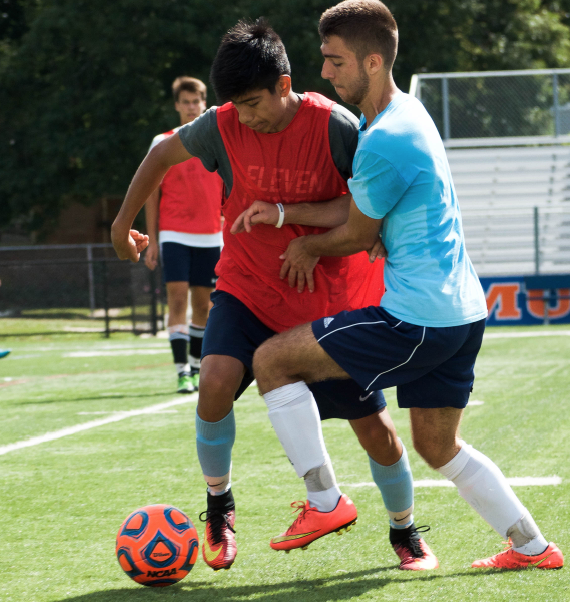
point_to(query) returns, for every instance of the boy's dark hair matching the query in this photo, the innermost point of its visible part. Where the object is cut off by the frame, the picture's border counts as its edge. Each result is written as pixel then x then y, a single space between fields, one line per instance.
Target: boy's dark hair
pixel 365 26
pixel 189 84
pixel 251 56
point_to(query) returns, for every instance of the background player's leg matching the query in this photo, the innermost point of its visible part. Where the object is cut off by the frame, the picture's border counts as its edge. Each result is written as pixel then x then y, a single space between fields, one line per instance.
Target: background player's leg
pixel 177 299
pixel 215 435
pixel 200 304
pixel 479 481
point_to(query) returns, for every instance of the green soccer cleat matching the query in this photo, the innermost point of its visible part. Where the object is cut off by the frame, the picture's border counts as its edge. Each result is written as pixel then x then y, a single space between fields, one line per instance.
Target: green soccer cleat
pixel 195 379
pixel 186 384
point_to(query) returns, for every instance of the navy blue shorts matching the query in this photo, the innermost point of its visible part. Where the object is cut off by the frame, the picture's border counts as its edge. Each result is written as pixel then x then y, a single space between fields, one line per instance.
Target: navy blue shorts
pixel 431 367
pixel 195 265
pixel 234 330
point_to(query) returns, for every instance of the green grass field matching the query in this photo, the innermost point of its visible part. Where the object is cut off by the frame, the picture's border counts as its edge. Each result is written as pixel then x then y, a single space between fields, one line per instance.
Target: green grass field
pixel 62 501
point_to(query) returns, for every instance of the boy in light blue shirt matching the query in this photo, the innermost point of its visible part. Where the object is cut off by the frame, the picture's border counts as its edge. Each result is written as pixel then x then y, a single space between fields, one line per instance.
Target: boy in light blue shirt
pixel 425 336
pixel 401 174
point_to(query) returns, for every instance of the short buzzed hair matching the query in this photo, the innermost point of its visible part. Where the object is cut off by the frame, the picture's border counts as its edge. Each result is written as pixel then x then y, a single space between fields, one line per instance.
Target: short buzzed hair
pixel 366 27
pixel 189 84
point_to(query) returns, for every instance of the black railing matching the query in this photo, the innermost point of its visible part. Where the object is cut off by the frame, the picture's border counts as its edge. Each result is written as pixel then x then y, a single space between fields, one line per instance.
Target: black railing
pixel 80 281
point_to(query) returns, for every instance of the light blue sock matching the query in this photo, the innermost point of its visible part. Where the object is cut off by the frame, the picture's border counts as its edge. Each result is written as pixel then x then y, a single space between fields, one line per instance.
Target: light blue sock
pixel 214 442
pixel 396 485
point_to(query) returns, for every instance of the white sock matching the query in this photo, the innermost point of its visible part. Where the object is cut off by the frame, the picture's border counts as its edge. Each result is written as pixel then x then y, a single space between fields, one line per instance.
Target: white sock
pixel 322 491
pixel 295 417
pixel 483 486
pixel 182 368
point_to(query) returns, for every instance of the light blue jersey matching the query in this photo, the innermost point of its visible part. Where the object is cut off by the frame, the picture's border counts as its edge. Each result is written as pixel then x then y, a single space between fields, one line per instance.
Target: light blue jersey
pixel 401 174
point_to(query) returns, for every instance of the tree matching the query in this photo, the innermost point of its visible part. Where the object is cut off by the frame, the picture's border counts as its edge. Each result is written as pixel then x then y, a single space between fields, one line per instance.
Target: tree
pixel 85 84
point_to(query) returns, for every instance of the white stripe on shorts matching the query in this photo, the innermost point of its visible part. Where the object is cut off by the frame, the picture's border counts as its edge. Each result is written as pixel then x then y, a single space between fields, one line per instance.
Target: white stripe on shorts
pixel 372 323
pixel 350 326
pixel 402 364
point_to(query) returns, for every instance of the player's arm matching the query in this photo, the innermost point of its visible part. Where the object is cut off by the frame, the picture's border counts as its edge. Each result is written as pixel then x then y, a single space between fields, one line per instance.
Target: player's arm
pixel 129 243
pixel 324 214
pixel 151 217
pixel 359 233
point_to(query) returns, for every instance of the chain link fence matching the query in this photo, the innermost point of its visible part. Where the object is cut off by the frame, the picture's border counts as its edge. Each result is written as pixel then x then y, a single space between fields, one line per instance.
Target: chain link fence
pixel 84 283
pixel 497 104
pixel 507 135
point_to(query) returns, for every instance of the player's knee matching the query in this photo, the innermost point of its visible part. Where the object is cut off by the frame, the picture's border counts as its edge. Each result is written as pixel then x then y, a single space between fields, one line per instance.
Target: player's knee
pixel 200 311
pixel 371 437
pixel 377 438
pixel 177 304
pixel 216 397
pixel 216 386
pixel 262 361
pixel 432 451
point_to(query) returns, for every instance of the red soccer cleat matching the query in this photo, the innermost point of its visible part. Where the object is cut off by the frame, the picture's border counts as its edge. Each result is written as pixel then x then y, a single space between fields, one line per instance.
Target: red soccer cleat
pixel 312 524
pixel 510 560
pixel 219 548
pixel 413 551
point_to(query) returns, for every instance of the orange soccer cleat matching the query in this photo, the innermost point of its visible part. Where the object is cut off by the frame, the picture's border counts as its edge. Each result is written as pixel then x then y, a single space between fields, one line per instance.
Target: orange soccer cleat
pixel 219 548
pixel 510 560
pixel 413 551
pixel 312 524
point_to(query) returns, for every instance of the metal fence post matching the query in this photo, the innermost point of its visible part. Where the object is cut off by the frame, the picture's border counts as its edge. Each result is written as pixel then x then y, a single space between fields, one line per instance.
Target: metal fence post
pixel 106 299
pixel 556 107
pixel 133 297
pixel 153 303
pixel 91 278
pixel 536 243
pixel 445 101
pixel 415 87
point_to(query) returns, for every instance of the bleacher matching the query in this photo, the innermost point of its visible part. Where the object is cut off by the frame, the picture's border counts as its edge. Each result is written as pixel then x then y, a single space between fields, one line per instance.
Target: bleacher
pixel 499 189
pixel 507 135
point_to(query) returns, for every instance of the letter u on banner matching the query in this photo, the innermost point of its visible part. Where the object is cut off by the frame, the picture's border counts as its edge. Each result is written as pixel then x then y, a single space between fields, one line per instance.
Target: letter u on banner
pixel 535 303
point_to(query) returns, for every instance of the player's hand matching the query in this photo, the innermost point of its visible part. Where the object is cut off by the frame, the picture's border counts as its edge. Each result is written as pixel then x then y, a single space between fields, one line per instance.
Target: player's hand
pixel 130 246
pixel 259 213
pixel 378 250
pixel 298 265
pixel 151 255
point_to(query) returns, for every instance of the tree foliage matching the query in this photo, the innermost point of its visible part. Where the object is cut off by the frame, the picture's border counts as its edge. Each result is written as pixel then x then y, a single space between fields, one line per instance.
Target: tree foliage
pixel 85 84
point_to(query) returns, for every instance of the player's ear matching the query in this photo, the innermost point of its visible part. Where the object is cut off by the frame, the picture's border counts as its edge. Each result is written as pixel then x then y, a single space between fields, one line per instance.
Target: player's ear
pixel 283 85
pixel 373 63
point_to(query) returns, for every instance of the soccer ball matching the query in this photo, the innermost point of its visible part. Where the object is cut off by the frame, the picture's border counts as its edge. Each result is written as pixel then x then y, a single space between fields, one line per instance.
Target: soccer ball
pixel 157 545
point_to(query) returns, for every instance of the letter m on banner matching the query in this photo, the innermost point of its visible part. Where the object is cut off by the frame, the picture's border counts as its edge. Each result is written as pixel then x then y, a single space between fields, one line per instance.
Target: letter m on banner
pixel 502 301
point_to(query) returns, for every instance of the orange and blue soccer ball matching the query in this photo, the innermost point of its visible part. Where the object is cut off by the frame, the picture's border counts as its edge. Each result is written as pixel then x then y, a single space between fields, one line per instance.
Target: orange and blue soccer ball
pixel 157 545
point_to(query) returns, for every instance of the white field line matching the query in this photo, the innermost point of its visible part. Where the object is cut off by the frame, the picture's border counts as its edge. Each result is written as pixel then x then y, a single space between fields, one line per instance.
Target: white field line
pixel 108 413
pixel 475 402
pixel 513 482
pixel 526 333
pixel 71 430
pixel 116 352
pixel 102 347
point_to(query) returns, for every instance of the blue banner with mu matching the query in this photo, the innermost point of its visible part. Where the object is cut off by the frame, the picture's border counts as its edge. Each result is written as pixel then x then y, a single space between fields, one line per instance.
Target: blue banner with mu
pixel 521 300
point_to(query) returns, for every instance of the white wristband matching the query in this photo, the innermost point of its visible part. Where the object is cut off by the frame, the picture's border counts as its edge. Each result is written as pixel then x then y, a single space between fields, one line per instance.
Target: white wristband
pixel 281 216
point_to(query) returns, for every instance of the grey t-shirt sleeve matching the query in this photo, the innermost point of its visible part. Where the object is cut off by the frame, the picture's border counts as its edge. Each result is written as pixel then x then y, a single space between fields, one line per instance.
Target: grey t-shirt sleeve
pixel 202 139
pixel 343 139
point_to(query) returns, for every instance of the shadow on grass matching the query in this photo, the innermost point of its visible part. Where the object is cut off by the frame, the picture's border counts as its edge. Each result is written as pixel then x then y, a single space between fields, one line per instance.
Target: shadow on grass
pixel 57 315
pixel 338 587
pixel 96 398
pixel 49 333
